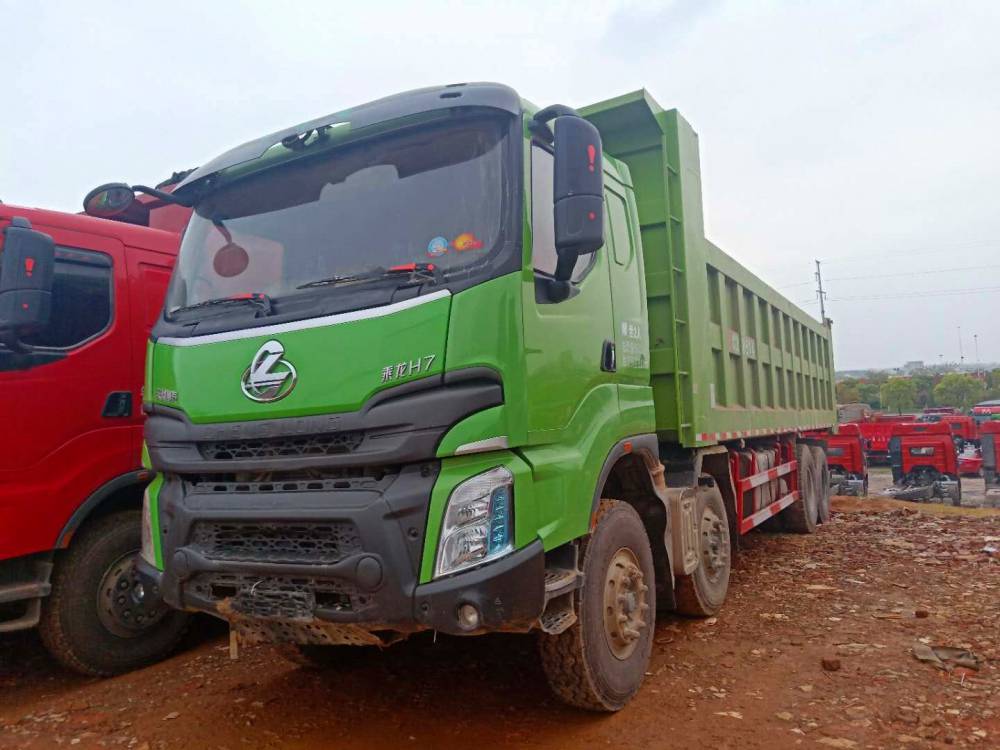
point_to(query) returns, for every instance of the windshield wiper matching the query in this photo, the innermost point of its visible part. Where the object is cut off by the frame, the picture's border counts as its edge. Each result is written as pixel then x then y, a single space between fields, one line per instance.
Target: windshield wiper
pixel 417 272
pixel 258 299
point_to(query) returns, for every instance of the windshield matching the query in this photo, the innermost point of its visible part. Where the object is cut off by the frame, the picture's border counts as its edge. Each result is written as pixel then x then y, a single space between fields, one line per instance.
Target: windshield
pixel 428 196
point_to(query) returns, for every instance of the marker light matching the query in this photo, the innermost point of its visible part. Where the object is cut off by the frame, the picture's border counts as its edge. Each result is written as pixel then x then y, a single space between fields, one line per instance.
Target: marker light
pixel 477 522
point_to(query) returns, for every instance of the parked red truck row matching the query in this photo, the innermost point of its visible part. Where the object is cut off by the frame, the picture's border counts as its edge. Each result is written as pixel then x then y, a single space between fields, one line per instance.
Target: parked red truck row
pixel 71 479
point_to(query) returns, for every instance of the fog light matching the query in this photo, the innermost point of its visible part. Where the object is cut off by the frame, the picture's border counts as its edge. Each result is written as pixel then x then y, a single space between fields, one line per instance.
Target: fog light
pixel 468 617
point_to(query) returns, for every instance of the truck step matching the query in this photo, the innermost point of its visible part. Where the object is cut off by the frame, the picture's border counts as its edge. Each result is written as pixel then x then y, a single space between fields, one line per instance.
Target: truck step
pixel 558 615
pixel 560 581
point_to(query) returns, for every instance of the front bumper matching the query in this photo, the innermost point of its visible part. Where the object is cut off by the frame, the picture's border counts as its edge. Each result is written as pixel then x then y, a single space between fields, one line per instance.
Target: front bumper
pixel 331 562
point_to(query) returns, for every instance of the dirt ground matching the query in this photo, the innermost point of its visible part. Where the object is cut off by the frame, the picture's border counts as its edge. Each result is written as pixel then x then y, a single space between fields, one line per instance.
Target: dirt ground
pixel 815 648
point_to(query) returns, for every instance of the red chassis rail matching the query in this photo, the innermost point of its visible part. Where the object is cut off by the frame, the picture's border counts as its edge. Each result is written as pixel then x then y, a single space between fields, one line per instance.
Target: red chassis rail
pixel 788 467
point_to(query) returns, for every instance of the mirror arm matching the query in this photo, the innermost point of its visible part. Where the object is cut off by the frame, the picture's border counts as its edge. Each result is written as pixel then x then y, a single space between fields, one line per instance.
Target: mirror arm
pixel 553 111
pixel 165 197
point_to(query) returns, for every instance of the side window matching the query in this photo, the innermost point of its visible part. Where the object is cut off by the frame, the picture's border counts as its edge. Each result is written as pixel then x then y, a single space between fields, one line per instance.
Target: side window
pixel 622 238
pixel 543 234
pixel 81 299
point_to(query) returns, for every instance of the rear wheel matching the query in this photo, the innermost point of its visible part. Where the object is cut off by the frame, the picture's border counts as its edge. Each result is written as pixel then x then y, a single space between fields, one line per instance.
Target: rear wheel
pixel 702 593
pixel 801 515
pixel 99 619
pixel 599 662
pixel 822 485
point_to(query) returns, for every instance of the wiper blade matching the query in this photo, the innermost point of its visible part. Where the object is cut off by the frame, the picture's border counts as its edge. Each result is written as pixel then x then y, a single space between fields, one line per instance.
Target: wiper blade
pixel 417 271
pixel 257 299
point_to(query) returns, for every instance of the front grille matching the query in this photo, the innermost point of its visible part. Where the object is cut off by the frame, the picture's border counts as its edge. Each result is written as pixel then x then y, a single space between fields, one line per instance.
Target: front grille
pixel 277 598
pixel 277 542
pixel 324 444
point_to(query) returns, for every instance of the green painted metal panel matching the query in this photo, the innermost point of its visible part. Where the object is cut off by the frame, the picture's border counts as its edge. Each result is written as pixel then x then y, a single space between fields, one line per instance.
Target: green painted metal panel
pixel 730 356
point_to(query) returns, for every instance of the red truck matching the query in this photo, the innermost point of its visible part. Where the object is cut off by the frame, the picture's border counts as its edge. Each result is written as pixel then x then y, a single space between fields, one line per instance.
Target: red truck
pixel 924 462
pixel 78 297
pixel 876 431
pixel 845 455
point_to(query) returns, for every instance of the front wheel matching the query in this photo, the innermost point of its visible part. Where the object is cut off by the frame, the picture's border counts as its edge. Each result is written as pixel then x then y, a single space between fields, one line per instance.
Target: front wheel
pixel 99 619
pixel 599 662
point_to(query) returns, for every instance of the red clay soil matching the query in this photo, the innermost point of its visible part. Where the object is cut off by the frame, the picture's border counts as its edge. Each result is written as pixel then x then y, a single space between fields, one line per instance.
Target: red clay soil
pixel 815 648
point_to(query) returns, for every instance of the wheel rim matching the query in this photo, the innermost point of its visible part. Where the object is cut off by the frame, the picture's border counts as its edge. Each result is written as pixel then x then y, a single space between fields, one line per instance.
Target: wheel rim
pixel 624 603
pixel 714 544
pixel 124 605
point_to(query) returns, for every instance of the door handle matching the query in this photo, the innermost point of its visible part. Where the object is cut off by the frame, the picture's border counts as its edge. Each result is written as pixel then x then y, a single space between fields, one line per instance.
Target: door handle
pixel 118 404
pixel 609 363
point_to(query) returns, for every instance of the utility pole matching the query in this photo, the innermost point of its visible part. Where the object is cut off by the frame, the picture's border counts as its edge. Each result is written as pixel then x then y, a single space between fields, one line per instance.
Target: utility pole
pixel 975 341
pixel 821 293
pixel 961 355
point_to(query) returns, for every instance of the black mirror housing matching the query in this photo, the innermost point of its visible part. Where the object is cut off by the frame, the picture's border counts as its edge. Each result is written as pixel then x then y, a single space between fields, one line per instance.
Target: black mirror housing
pixel 27 260
pixel 109 200
pixel 578 191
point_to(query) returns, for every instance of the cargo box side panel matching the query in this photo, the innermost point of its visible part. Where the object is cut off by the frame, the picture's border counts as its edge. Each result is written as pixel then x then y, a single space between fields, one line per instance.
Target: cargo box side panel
pixel 730 357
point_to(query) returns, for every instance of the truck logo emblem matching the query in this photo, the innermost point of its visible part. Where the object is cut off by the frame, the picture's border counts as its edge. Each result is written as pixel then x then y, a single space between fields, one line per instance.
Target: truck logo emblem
pixel 270 376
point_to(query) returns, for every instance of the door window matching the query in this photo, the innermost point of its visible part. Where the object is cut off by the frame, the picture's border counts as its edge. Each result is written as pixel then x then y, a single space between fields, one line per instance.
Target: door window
pixel 621 236
pixel 81 300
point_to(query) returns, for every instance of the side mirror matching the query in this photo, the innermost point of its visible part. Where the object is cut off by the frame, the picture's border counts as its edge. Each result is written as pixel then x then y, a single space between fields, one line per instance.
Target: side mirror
pixel 109 200
pixel 27 258
pixel 578 192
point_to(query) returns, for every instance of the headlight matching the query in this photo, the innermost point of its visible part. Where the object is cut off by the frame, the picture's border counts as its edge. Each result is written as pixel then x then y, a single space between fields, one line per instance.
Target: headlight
pixel 477 522
pixel 147 552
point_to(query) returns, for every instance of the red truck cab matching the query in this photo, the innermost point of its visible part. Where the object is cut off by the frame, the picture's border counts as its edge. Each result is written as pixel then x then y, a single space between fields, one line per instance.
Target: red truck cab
pixel 924 462
pixel 845 455
pixel 71 479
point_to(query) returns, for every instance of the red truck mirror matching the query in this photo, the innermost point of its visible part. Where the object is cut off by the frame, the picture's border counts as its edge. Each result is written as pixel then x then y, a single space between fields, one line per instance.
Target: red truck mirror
pixel 109 200
pixel 27 258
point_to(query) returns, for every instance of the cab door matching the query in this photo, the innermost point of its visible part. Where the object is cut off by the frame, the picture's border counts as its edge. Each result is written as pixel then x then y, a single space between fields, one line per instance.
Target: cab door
pixel 566 342
pixel 61 442
pixel 628 295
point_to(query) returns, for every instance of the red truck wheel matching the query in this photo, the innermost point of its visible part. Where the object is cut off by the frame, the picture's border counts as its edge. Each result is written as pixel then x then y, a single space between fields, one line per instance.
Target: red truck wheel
pixel 599 662
pixel 99 620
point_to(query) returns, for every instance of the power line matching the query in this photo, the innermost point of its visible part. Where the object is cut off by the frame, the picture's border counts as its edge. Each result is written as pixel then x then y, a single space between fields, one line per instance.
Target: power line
pixel 921 294
pixel 897 274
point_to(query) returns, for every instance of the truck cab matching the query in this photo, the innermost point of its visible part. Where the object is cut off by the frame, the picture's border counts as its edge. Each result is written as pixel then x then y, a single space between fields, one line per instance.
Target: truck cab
pixel 71 479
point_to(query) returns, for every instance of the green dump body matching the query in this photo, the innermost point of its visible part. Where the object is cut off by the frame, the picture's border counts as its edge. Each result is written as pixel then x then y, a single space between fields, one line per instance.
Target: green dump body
pixel 730 357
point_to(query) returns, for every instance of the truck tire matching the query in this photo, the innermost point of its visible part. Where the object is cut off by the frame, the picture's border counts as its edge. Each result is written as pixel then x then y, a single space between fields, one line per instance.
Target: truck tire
pixel 599 662
pixel 823 485
pixel 97 621
pixel 702 593
pixel 800 517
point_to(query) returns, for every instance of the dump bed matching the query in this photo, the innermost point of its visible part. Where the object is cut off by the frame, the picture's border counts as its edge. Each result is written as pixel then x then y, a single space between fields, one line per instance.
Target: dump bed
pixel 730 357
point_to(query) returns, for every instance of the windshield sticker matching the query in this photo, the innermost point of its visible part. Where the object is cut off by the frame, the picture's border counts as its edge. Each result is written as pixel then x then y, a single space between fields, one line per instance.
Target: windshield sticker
pixel 437 247
pixel 467 241
pixel 230 260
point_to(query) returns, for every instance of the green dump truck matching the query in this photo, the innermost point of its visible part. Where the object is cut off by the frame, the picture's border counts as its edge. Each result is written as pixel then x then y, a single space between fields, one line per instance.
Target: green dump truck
pixel 446 361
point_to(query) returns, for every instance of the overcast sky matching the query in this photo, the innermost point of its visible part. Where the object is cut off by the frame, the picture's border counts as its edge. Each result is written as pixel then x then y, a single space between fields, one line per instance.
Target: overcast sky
pixel 865 134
